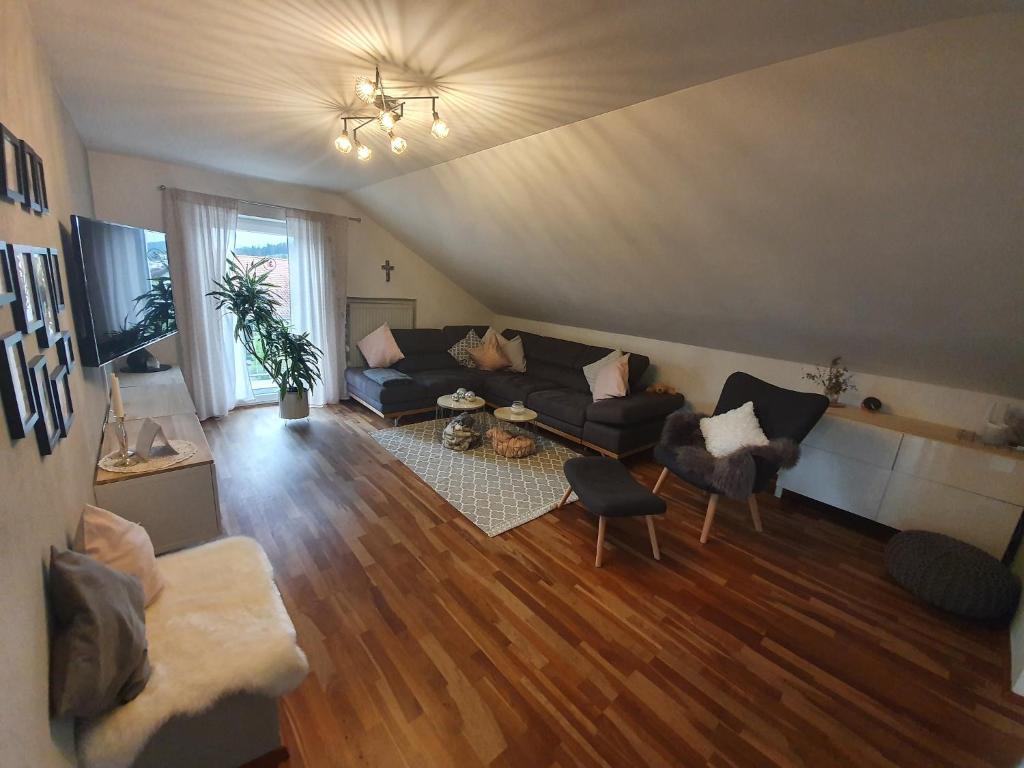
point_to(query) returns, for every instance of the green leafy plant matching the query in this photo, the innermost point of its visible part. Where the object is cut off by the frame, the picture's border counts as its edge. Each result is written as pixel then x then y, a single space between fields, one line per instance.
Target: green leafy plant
pixel 290 359
pixel 833 380
pixel 157 310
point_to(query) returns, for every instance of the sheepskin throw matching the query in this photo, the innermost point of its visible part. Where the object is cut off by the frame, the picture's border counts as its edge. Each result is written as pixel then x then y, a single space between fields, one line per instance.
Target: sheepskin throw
pixel 733 474
pixel 218 628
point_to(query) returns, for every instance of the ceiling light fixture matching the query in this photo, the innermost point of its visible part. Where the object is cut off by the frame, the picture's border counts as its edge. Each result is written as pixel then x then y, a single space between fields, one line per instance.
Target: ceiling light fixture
pixel 390 109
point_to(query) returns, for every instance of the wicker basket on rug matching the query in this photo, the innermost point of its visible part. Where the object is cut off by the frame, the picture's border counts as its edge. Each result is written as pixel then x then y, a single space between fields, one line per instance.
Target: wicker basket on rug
pixel 510 446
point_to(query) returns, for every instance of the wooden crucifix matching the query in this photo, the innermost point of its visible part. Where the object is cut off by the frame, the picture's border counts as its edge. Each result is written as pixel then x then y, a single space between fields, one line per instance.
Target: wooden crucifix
pixel 388 269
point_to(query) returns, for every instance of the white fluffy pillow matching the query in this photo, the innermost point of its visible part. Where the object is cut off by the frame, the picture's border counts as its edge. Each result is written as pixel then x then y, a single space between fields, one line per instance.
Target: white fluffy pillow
pixel 511 348
pixel 591 371
pixel 732 430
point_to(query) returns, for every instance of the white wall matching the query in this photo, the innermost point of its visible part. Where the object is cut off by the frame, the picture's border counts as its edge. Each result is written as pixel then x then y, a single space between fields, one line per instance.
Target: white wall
pixel 125 190
pixel 699 373
pixel 41 498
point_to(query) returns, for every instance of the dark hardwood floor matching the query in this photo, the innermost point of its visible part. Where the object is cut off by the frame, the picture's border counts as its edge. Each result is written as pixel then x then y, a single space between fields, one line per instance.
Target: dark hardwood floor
pixel 432 645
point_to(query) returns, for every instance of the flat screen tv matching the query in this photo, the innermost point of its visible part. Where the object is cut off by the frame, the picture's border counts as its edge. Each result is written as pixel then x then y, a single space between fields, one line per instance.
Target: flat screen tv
pixel 121 289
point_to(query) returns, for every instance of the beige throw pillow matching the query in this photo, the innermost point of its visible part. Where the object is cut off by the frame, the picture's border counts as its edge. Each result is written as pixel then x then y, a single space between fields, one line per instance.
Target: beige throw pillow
pixel 122 545
pixel 488 356
pixel 612 380
pixel 380 348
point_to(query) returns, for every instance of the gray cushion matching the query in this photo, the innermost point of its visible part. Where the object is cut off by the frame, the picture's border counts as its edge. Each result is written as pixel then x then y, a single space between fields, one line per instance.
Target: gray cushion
pixel 952 575
pixel 635 408
pixel 565 405
pixel 503 387
pixel 99 656
pixel 387 377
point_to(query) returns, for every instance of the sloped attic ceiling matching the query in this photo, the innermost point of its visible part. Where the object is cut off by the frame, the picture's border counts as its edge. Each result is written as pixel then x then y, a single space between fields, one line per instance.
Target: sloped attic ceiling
pixel 864 201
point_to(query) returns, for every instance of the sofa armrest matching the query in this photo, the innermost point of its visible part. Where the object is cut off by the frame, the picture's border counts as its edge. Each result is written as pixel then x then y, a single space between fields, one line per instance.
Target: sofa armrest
pixel 637 408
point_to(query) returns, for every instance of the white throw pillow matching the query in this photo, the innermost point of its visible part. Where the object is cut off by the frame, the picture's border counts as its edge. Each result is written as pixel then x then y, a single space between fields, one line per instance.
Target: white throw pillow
pixel 591 371
pixel 732 430
pixel 460 350
pixel 380 350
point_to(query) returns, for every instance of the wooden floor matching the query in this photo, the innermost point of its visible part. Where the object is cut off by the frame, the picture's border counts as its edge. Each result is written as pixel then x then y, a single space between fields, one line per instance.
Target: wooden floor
pixel 432 645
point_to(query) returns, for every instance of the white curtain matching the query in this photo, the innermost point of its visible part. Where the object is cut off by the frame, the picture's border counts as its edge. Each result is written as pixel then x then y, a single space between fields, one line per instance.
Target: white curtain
pixel 200 236
pixel 317 265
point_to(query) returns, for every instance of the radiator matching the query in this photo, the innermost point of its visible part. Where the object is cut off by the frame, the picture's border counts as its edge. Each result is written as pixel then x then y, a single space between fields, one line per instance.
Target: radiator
pixel 367 315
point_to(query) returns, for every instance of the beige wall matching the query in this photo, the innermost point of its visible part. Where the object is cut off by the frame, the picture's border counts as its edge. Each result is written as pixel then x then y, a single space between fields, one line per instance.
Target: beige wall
pixel 125 190
pixel 863 201
pixel 40 498
pixel 699 372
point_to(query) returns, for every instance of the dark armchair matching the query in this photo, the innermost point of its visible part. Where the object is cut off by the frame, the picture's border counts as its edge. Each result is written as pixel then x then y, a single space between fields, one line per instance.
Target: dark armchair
pixel 785 416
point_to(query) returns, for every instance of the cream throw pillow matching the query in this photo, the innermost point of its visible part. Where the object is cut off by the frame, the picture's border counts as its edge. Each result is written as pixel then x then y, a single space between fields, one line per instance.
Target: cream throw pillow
pixel 488 356
pixel 732 430
pixel 612 380
pixel 380 348
pixel 591 371
pixel 122 545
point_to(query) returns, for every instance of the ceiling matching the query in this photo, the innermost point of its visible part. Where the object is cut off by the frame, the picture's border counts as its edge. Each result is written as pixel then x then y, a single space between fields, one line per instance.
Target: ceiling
pixel 255 87
pixel 862 201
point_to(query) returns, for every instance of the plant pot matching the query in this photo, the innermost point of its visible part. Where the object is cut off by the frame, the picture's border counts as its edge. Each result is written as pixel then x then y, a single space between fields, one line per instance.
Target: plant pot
pixel 294 405
pixel 833 402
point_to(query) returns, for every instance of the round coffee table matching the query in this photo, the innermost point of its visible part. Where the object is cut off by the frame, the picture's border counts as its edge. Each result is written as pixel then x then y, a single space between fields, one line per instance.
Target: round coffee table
pixel 446 408
pixel 515 418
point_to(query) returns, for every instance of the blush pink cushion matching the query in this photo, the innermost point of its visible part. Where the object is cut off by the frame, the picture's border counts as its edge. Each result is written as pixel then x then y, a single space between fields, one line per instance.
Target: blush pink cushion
pixel 488 356
pixel 380 348
pixel 122 545
pixel 612 380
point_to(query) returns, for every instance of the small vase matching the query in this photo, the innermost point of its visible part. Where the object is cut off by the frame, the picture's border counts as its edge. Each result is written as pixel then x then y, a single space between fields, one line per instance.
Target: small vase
pixel 833 402
pixel 294 405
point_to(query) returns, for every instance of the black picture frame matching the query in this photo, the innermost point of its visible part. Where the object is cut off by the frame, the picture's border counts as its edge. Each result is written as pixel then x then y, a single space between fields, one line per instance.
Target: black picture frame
pixel 16 386
pixel 18 273
pixel 7 295
pixel 39 184
pixel 13 184
pixel 56 274
pixel 33 194
pixel 42 276
pixel 47 426
pixel 60 383
pixel 66 351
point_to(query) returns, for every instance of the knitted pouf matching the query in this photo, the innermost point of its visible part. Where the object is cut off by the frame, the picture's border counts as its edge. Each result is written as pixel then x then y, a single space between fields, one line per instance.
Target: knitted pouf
pixel 952 575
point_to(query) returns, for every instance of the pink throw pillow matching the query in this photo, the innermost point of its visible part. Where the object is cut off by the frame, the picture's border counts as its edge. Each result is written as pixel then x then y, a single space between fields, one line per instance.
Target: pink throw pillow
pixel 380 348
pixel 122 545
pixel 612 380
pixel 488 356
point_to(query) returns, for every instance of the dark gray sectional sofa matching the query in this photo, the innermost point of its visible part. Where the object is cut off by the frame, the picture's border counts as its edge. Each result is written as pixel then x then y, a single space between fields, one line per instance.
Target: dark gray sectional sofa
pixel 553 385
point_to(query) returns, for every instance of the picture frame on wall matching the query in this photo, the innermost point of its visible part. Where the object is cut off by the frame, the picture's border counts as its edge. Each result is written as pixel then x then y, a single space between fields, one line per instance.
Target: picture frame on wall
pixel 47 425
pixel 66 351
pixel 12 168
pixel 58 282
pixel 17 263
pixel 42 275
pixel 60 383
pixel 34 180
pixel 16 386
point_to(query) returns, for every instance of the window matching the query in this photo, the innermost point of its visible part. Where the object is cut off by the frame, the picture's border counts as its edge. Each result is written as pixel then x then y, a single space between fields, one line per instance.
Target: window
pixel 265 238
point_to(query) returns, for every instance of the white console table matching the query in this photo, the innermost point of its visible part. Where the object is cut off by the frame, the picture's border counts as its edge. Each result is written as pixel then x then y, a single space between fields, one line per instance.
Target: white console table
pixel 177 506
pixel 908 474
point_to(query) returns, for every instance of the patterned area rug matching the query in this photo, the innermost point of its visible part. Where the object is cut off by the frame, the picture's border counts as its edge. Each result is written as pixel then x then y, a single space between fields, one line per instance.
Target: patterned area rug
pixel 495 493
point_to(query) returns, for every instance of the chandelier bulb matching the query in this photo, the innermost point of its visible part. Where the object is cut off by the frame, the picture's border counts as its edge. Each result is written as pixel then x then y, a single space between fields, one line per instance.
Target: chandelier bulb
pixel 366 89
pixel 363 152
pixel 387 119
pixel 439 129
pixel 398 144
pixel 343 143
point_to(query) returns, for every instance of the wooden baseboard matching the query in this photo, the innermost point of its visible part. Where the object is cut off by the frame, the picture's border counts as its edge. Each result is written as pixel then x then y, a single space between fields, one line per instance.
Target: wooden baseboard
pixel 392 414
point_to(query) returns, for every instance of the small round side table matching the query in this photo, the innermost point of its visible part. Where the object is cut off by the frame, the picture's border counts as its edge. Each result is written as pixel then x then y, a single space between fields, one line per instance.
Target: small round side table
pixel 515 418
pixel 446 408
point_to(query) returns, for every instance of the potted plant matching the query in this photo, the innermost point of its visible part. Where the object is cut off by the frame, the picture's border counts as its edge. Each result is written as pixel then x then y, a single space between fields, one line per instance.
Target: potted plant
pixel 833 380
pixel 290 359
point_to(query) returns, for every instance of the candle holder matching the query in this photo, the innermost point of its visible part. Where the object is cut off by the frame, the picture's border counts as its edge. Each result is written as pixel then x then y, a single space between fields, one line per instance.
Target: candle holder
pixel 125 456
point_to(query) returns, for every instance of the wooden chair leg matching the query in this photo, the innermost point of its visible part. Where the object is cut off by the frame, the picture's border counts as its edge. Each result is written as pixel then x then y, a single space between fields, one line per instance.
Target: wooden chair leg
pixel 654 538
pixel 755 513
pixel 601 521
pixel 661 479
pixel 565 497
pixel 709 518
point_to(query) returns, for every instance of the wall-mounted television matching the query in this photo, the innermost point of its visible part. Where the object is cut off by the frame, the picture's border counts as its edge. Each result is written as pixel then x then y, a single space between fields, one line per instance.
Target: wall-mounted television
pixel 120 285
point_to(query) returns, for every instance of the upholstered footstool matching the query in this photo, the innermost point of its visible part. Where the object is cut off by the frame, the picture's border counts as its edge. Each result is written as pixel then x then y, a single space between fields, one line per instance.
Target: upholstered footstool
pixel 605 487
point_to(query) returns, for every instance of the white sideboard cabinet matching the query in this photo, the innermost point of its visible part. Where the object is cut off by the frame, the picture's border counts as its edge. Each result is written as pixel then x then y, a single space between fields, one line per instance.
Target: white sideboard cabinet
pixel 911 474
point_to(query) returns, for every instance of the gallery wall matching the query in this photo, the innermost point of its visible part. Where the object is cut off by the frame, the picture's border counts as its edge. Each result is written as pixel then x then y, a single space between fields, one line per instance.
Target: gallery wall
pixel 41 498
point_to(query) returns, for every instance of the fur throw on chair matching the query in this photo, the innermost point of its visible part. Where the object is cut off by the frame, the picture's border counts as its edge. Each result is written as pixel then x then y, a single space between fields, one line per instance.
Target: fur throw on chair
pixel 734 475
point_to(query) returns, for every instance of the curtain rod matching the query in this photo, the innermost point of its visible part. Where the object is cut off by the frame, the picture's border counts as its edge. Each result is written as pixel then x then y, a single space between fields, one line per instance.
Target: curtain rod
pixel 356 219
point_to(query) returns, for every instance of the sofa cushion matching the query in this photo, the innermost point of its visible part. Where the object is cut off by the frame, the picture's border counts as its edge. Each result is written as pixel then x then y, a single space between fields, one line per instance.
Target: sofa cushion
pixel 447 380
pixel 566 405
pixel 503 387
pixel 380 396
pixel 379 348
pixel 455 333
pixel 634 409
pixel 424 349
pixel 612 380
pixel 460 349
pixel 563 361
